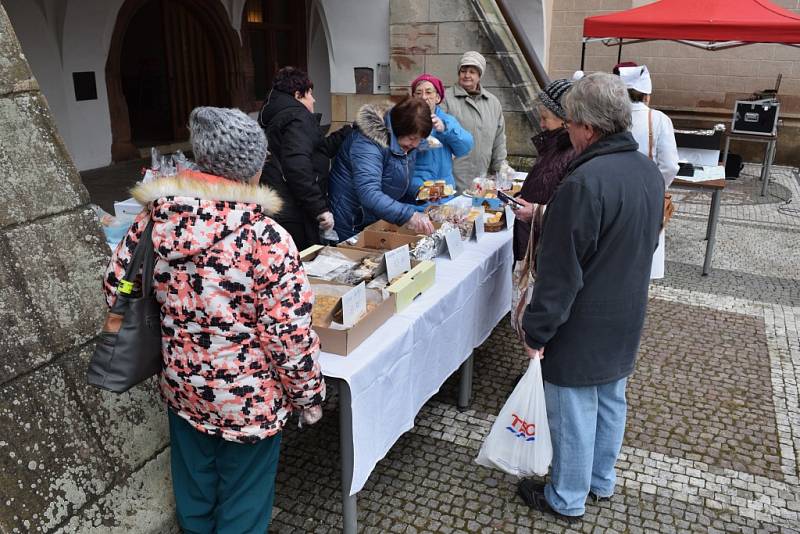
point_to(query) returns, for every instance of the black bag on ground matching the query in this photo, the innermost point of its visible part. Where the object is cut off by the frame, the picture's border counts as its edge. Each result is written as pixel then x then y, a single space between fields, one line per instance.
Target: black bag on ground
pixel 129 348
pixel 733 166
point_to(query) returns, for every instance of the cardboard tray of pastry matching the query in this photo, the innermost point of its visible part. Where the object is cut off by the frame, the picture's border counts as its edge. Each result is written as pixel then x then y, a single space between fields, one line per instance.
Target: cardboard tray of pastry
pixel 405 288
pixel 326 316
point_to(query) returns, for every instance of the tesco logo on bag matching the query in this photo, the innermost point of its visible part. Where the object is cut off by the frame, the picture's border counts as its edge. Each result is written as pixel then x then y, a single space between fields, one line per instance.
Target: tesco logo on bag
pixel 521 428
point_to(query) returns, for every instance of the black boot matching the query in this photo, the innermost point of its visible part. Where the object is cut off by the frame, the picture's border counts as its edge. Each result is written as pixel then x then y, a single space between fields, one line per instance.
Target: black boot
pixel 532 492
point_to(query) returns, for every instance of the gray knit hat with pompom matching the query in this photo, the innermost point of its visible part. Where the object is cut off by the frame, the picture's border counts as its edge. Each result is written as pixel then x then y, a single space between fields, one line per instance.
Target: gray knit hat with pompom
pixel 227 143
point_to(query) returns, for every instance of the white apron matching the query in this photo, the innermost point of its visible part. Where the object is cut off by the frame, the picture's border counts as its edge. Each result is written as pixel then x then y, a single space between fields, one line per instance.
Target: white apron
pixel 657 267
pixel 662 150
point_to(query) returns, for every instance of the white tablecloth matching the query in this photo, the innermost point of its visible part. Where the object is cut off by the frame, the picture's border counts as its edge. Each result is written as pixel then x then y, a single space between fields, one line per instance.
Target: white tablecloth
pixel 405 362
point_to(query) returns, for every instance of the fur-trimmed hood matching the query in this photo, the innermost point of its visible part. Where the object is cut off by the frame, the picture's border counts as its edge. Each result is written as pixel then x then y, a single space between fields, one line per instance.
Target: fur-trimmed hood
pixel 375 123
pixel 193 211
pixel 208 187
pixel 371 121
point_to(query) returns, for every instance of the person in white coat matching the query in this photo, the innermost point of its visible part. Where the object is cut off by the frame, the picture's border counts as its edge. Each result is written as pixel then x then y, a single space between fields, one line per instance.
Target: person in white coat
pixel 653 130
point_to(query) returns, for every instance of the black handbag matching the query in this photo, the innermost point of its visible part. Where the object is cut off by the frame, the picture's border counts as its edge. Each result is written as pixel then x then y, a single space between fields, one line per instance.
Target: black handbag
pixel 129 348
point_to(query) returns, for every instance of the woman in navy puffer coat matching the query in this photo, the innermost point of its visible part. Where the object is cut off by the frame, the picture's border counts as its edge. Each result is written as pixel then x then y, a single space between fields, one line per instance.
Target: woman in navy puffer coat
pixel 374 167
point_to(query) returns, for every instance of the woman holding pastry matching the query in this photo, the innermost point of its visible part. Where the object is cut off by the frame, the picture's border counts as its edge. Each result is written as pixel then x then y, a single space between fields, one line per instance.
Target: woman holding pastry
pixel 433 174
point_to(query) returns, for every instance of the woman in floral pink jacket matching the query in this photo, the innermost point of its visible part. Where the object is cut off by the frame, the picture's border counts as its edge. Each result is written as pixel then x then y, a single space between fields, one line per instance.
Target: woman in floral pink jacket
pixel 239 352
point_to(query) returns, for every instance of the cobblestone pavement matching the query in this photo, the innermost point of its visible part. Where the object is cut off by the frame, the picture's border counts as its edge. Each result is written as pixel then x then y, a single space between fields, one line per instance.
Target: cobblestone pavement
pixel 713 431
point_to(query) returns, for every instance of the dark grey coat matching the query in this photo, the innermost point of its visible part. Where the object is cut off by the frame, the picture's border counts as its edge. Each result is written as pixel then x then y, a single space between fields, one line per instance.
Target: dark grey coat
pixel 593 267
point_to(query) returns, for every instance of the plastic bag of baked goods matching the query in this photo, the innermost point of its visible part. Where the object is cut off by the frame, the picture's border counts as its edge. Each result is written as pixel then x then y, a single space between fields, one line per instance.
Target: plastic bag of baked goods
pixel 329 264
pixel 334 266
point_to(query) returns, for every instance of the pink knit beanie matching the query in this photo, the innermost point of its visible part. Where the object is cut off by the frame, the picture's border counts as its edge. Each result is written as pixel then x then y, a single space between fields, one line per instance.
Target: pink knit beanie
pixel 436 82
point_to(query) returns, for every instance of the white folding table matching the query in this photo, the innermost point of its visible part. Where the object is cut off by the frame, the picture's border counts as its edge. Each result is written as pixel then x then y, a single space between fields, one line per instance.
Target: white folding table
pixel 385 382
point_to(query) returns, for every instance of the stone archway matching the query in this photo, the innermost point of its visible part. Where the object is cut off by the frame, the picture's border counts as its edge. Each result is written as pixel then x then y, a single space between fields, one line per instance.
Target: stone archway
pixel 211 22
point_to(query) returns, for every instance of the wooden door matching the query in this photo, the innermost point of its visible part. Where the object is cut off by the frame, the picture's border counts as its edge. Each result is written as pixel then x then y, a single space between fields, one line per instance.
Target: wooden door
pixel 275 33
pixel 194 69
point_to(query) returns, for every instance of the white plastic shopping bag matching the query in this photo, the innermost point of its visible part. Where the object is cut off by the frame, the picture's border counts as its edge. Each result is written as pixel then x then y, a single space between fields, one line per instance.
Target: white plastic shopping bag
pixel 519 442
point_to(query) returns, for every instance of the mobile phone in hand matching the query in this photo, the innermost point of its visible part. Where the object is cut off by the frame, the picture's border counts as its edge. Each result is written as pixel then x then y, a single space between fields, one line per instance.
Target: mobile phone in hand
pixel 508 199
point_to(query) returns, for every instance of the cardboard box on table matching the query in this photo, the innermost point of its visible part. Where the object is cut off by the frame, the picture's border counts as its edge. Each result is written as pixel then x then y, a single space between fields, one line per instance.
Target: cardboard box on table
pixel 380 241
pixel 343 342
pixel 405 289
pixel 412 284
pixel 409 286
pixel 383 226
pixel 387 227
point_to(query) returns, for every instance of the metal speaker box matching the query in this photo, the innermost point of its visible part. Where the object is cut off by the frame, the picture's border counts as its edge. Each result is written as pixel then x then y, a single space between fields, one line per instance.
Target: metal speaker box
pixel 699 139
pixel 756 117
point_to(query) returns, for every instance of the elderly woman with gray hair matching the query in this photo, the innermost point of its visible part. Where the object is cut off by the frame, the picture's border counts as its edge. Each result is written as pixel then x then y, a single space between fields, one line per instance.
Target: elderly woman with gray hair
pixel 589 300
pixel 239 354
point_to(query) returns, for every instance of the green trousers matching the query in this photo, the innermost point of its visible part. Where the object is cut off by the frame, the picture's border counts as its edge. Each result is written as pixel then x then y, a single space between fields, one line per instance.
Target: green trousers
pixel 221 486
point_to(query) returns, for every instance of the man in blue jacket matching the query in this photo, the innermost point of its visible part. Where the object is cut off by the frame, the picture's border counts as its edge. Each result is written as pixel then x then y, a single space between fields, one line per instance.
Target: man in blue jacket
pixel 589 301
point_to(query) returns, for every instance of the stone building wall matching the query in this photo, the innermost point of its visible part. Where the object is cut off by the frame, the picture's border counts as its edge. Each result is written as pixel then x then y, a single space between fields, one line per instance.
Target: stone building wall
pixel 694 86
pixel 71 457
pixel 430 36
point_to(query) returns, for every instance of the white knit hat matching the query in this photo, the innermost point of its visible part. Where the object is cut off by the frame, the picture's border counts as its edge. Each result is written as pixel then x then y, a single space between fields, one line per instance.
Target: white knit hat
pixel 474 59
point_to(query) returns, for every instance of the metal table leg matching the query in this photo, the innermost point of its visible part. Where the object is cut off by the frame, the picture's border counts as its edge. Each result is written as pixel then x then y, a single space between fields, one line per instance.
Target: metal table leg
pixel 465 383
pixel 727 147
pixel 711 231
pixel 769 155
pixel 349 511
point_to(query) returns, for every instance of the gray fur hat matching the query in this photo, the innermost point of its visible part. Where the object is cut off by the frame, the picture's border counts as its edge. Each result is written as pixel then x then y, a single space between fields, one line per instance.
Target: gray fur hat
pixel 227 143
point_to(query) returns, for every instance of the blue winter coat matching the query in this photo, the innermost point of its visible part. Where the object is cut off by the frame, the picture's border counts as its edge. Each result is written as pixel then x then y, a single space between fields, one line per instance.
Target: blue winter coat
pixel 436 162
pixel 370 175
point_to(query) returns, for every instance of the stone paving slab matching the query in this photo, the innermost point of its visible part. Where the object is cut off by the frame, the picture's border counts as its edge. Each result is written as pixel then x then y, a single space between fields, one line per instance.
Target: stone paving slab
pixel 726 282
pixel 702 389
pixel 429 483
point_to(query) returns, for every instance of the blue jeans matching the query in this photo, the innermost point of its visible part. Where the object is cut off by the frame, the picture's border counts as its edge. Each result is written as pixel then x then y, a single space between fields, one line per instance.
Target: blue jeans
pixel 586 427
pixel 221 487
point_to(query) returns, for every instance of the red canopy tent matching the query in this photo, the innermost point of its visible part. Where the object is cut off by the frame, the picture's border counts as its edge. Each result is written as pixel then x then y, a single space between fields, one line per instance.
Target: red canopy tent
pixel 708 24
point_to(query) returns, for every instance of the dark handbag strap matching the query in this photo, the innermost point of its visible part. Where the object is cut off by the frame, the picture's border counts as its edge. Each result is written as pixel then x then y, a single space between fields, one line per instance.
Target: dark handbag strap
pixel 143 258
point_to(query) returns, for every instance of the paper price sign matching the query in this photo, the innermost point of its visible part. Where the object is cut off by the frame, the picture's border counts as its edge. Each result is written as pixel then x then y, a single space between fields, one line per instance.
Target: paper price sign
pixel 454 244
pixel 398 261
pixel 354 304
pixel 510 216
pixel 480 223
